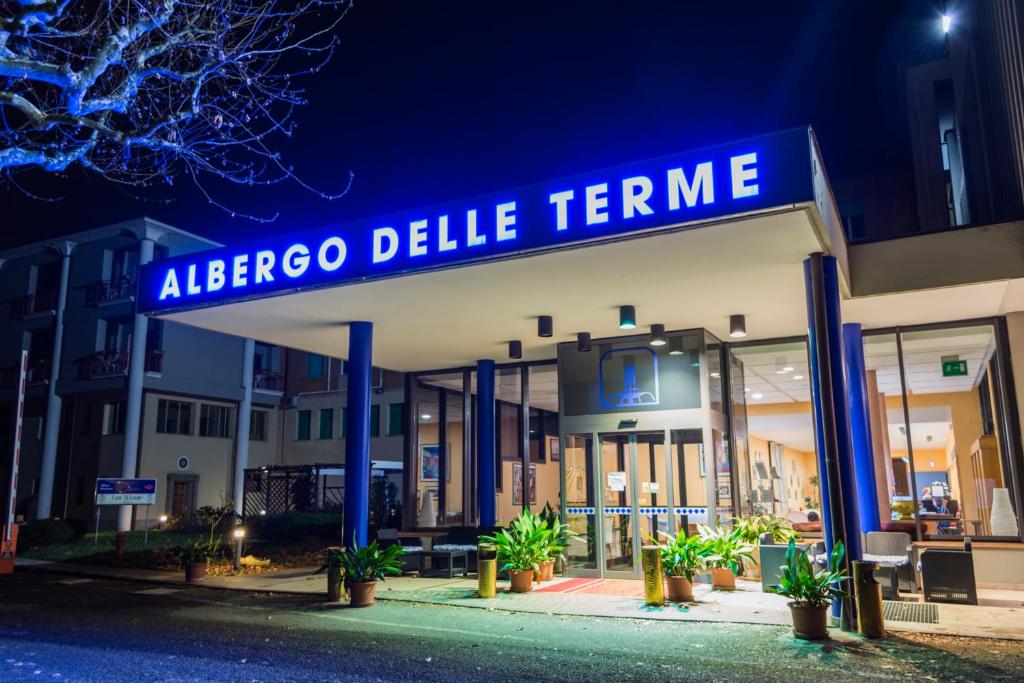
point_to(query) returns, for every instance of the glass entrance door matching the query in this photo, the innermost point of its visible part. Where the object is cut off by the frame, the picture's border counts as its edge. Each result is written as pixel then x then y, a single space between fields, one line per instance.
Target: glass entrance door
pixel 634 498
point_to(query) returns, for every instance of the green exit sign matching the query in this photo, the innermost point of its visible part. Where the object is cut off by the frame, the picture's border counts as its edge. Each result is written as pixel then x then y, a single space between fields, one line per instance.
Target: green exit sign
pixel 954 368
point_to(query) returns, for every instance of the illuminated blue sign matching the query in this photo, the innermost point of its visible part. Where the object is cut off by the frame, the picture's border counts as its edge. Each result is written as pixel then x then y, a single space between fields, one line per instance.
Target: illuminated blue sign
pixel 750 175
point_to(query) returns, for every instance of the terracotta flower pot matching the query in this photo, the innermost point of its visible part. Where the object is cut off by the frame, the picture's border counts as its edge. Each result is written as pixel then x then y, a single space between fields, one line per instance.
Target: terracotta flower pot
pixel 809 623
pixel 547 571
pixel 679 589
pixel 195 571
pixel 723 579
pixel 521 581
pixel 362 593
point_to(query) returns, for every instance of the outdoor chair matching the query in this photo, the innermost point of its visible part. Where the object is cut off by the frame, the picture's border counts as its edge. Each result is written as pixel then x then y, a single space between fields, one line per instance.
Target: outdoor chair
pixel 892 549
pixel 462 538
pixel 413 557
pixel 948 575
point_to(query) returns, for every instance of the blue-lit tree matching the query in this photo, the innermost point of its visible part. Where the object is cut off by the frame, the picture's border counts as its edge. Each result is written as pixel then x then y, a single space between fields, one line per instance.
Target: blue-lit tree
pixel 143 91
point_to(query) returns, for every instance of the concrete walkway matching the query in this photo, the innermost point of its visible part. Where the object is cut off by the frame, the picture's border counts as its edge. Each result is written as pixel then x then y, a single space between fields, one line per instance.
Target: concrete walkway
pixel 747 604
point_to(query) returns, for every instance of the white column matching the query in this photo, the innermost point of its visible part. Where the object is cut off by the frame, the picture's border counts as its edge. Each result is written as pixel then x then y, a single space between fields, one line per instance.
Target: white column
pixel 133 404
pixel 244 417
pixel 53 401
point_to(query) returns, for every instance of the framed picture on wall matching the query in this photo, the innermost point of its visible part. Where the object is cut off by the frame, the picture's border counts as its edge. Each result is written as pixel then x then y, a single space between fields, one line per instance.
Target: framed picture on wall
pixel 517 483
pixel 430 463
pixel 554 454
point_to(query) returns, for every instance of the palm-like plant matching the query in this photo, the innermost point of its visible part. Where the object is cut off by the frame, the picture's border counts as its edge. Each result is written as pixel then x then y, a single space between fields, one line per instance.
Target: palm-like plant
pixel 524 545
pixel 753 527
pixel 561 534
pixel 725 548
pixel 806 586
pixel 684 555
pixel 364 564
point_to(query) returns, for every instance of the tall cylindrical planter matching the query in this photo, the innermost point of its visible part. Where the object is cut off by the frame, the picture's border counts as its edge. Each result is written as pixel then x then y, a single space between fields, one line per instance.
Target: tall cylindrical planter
pixel 487 570
pixel 334 584
pixel 654 579
pixel 868 594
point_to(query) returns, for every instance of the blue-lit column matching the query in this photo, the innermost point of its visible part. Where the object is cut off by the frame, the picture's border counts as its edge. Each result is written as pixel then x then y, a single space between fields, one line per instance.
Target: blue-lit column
pixel 357 434
pixel 828 400
pixel 485 408
pixel 860 428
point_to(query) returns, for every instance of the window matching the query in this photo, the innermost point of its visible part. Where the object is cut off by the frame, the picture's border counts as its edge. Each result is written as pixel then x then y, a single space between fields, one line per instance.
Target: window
pixel 302 425
pixel 216 421
pixel 314 366
pixel 258 426
pixel 326 423
pixel 173 417
pixel 396 419
pixel 113 417
pixel 375 420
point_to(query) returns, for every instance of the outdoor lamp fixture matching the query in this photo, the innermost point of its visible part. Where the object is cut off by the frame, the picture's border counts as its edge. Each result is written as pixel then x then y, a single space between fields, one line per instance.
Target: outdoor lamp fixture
pixel 627 317
pixel 583 341
pixel 239 534
pixel 545 327
pixel 658 335
pixel 515 349
pixel 737 326
pixel 947 23
pixel 675 346
pixel 163 521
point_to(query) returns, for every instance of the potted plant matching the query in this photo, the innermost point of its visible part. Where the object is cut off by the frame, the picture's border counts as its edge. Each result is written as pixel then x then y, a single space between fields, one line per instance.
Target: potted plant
pixel 362 567
pixel 521 548
pixel 752 528
pixel 725 551
pixel 681 558
pixel 810 591
pixel 558 541
pixel 194 555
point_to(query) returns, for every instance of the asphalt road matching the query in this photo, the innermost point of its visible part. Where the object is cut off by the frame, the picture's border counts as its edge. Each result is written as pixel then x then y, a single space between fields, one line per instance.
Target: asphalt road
pixel 58 628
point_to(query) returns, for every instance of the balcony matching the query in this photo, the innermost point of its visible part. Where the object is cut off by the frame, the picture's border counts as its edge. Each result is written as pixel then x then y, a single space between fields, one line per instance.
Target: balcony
pixel 103 364
pixel 106 292
pixel 268 381
pixel 34 305
pixel 38 372
pixel 155 361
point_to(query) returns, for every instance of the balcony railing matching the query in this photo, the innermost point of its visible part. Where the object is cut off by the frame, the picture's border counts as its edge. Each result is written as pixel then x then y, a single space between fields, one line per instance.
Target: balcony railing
pixel 113 291
pixel 33 304
pixel 267 380
pixel 113 363
pixel 37 371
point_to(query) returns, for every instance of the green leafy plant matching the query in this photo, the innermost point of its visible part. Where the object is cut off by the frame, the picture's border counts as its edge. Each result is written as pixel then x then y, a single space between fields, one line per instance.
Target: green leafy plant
pixel 684 555
pixel 524 544
pixel 725 548
pixel 197 550
pixel 806 586
pixel 364 564
pixel 560 536
pixel 753 527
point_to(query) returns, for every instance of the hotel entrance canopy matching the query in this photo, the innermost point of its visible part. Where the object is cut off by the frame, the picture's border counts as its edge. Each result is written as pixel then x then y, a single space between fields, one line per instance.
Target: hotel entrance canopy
pixel 689 238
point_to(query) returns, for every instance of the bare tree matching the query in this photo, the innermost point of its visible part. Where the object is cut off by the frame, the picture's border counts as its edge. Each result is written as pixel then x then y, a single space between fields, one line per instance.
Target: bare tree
pixel 139 91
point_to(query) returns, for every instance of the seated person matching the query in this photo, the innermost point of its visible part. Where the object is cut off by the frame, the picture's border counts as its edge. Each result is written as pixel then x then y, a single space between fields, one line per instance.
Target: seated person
pixel 941 508
pixel 953 506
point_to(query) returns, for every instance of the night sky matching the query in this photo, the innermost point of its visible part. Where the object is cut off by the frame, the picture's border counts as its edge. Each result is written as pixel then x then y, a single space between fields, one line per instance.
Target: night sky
pixel 426 102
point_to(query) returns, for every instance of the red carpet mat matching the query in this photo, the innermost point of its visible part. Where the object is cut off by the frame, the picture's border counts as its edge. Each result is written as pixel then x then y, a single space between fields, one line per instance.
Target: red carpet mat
pixel 624 587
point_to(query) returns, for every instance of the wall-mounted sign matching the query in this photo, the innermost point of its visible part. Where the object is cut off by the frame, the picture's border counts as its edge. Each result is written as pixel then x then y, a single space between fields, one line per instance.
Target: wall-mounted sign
pixel 952 366
pixel 183 463
pixel 125 491
pixel 749 175
pixel 616 481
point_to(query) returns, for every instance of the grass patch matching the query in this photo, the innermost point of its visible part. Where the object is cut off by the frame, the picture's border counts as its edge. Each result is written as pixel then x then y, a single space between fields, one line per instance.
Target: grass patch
pixel 86 549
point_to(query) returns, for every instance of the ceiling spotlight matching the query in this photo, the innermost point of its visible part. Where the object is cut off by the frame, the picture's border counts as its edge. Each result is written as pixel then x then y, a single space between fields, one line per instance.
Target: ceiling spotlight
pixel 658 335
pixel 798 377
pixel 737 326
pixel 746 389
pixel 515 349
pixel 545 326
pixel 675 346
pixel 583 341
pixel 426 416
pixel 627 317
pixel 716 375
pixel 756 396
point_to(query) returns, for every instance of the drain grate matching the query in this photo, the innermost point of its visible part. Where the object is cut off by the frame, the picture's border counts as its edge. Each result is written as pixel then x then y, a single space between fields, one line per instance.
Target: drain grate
pixel 914 612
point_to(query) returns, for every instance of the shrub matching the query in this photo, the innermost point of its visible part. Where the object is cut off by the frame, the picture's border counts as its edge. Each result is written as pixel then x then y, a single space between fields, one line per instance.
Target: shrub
pixel 296 526
pixel 45 532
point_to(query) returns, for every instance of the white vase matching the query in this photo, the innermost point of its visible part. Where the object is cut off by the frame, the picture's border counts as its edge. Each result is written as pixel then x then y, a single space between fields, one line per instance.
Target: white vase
pixel 1002 521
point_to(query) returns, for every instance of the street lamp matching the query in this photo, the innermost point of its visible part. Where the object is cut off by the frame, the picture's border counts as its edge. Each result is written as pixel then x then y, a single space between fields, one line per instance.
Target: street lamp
pixel 163 521
pixel 239 534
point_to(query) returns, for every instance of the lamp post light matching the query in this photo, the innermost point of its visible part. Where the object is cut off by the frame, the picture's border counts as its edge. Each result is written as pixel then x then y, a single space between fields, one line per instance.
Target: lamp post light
pixel 163 521
pixel 239 535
